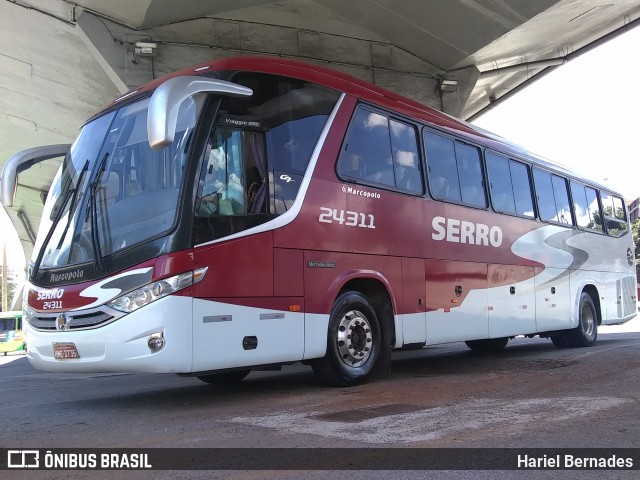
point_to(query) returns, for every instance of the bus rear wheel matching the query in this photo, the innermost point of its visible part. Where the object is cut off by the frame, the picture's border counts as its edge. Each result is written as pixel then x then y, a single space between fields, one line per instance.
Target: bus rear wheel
pixel 585 334
pixel 354 344
pixel 225 378
pixel 488 344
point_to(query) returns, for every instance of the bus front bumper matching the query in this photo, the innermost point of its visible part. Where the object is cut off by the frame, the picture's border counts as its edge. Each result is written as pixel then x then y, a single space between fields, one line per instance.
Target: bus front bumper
pixel 123 345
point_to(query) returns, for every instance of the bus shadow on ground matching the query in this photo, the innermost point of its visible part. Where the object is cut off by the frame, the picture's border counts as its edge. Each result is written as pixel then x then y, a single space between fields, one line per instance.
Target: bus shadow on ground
pixel 457 359
pixel 166 392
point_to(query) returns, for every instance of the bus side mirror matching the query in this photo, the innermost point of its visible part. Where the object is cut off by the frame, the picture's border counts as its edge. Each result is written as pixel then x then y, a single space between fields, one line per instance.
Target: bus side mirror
pixel 165 103
pixel 22 161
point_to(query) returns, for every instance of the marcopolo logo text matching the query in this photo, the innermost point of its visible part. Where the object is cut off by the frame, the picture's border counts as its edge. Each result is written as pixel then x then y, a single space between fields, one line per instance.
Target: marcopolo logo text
pixel 361 193
pixel 59 277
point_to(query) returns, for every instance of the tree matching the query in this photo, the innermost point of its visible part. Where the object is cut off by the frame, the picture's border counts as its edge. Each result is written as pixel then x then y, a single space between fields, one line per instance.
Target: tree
pixel 12 290
pixel 635 229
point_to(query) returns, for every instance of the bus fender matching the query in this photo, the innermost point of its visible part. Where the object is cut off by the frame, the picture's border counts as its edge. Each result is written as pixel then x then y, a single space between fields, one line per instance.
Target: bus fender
pixel 589 285
pixel 356 274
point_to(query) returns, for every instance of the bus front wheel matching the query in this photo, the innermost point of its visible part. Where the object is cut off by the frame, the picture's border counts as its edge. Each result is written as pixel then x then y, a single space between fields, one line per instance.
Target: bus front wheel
pixel 354 344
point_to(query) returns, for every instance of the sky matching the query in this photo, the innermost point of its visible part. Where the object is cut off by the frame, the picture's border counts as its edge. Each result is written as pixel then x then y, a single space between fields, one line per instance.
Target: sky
pixel 585 115
pixel 9 237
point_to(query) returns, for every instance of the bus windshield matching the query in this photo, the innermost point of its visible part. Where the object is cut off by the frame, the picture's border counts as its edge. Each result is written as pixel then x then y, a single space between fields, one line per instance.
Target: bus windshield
pixel 113 191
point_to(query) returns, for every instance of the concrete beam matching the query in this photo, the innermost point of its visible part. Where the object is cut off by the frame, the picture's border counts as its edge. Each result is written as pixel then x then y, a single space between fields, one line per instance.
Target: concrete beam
pixel 162 12
pixel 455 98
pixel 112 46
pixel 186 43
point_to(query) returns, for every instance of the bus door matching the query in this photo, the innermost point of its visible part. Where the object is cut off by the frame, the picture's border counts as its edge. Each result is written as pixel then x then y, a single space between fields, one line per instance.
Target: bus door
pixel 238 321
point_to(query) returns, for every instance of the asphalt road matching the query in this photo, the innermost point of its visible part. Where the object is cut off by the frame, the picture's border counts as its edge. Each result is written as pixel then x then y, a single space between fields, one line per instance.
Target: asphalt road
pixel 531 395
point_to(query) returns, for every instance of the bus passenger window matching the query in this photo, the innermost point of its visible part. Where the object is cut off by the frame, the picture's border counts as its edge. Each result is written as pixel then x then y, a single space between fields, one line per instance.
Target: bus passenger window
pixel 441 165
pixel 580 205
pixel 406 160
pixel 595 215
pixel 509 185
pixel 585 207
pixel 367 152
pixel 562 199
pixel 553 198
pixel 500 183
pixel 618 209
pixel 470 175
pixel 614 214
pixel 521 189
pixel 544 193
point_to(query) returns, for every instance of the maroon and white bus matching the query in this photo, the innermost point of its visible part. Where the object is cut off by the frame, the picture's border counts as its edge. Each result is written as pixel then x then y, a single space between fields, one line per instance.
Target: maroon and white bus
pixel 253 212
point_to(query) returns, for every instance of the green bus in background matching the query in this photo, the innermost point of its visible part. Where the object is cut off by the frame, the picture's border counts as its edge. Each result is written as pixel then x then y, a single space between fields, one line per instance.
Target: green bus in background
pixel 11 335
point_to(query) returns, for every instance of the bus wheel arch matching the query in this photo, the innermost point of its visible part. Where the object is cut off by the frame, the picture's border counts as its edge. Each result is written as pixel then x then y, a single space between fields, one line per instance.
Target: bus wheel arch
pixel 381 300
pixel 360 335
pixel 586 333
pixel 592 291
pixel 589 315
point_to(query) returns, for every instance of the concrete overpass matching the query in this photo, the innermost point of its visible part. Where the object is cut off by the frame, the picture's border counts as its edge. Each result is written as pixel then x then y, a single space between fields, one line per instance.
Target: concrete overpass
pixel 60 60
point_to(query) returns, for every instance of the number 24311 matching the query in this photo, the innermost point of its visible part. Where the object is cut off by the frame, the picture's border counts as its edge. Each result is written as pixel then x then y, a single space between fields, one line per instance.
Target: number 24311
pixel 348 218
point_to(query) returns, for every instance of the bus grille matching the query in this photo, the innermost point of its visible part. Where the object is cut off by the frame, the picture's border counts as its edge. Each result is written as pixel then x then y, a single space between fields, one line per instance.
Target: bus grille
pixel 74 322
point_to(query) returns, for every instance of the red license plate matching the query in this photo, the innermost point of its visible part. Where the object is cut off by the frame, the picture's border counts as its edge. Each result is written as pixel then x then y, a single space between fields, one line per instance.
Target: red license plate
pixel 65 351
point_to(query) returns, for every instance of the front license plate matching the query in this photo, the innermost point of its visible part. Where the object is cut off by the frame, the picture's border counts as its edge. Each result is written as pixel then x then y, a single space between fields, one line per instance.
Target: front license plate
pixel 65 351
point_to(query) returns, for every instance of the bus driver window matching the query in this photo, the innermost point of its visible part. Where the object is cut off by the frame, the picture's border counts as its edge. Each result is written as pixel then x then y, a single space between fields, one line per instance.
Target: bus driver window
pixel 222 188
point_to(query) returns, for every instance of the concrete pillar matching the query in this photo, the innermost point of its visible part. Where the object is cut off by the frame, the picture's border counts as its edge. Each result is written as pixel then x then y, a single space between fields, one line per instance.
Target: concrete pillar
pixel 5 293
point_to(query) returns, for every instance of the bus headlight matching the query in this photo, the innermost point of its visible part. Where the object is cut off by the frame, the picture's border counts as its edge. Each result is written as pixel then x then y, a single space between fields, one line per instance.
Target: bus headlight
pixel 27 312
pixel 135 299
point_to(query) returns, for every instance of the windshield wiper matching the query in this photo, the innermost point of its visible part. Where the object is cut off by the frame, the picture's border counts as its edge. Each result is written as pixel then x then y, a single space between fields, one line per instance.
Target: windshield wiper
pixel 74 199
pixel 72 194
pixel 93 212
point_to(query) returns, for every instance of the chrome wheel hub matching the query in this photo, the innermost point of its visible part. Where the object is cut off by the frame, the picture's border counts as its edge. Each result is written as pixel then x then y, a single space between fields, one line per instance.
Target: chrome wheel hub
pixel 588 321
pixel 354 338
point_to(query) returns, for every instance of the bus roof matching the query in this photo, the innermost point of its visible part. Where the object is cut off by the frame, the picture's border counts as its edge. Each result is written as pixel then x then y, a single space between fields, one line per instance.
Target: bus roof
pixel 367 92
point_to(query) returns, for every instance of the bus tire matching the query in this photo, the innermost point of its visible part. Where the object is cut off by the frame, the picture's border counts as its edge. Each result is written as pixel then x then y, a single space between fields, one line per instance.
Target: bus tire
pixel 354 343
pixel 586 333
pixel 225 378
pixel 488 344
pixel 560 340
